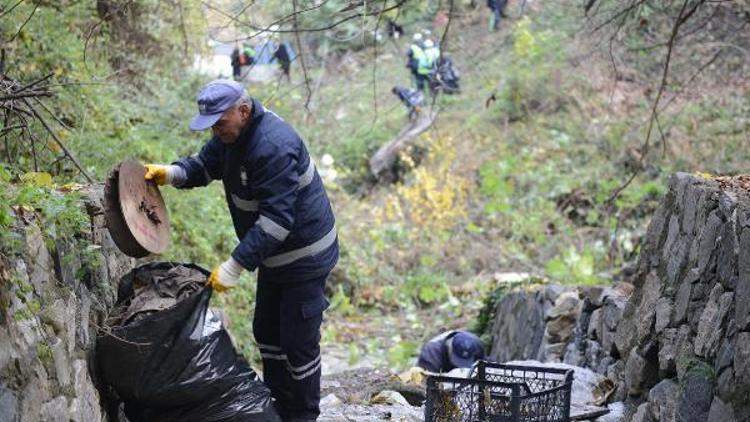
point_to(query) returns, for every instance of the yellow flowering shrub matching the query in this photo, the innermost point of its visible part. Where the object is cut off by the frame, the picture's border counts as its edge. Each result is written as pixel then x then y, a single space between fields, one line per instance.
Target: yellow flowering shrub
pixel 434 198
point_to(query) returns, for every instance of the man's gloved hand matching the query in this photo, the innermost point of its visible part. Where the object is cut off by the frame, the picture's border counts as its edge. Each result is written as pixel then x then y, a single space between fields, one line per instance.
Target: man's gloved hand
pixel 160 174
pixel 226 275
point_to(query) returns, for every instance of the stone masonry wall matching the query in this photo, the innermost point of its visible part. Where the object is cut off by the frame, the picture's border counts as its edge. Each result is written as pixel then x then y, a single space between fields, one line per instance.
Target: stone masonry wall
pixel 685 333
pixel 675 342
pixel 52 299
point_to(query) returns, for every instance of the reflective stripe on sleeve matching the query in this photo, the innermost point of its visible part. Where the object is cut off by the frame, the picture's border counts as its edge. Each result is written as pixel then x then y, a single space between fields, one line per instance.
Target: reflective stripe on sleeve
pixel 272 228
pixel 313 249
pixel 244 204
pixel 307 178
pixel 205 172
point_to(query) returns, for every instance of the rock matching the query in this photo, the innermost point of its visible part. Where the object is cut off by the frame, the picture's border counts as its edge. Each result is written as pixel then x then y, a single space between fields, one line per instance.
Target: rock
pixel 726 261
pixel 35 392
pixel 88 409
pixel 696 395
pixel 8 405
pixel 642 414
pixel 668 351
pixel 330 401
pixel 647 307
pixel 742 291
pixel 681 302
pixel 389 397
pixel 573 355
pixel 720 412
pixel 593 353
pixel 55 410
pixel 40 265
pixel 6 349
pixel 616 413
pixel 371 413
pixel 684 346
pixel 742 359
pixel 725 356
pixel 707 241
pixel 518 327
pixel 595 325
pixel 649 251
pixel 710 327
pixel 592 295
pixel 552 292
pixel 662 400
pixel 677 260
pixel 554 352
pixel 561 321
pixel 588 386
pixel 60 358
pixel 726 384
pixel 83 334
pixel 663 314
pixel 611 316
pixel 639 373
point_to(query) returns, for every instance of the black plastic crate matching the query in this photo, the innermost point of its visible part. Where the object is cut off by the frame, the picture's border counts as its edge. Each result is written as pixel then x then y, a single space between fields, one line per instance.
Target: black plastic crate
pixel 500 393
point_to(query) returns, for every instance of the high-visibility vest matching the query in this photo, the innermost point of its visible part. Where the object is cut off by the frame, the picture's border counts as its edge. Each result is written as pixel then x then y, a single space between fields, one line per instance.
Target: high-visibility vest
pixel 427 60
pixel 418 57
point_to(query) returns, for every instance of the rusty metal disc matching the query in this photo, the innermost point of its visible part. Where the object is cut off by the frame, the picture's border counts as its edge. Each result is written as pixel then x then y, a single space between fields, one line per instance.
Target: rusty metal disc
pixel 136 214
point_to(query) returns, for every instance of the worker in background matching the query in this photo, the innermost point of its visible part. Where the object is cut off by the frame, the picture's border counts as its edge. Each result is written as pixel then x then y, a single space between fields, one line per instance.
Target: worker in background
pixel 450 350
pixel 427 62
pixel 236 58
pixel 249 52
pixel 414 55
pixel 285 226
pixel 497 7
pixel 283 55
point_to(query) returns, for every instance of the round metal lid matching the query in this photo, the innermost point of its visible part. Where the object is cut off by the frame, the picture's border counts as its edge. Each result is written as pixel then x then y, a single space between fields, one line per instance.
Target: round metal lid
pixel 136 214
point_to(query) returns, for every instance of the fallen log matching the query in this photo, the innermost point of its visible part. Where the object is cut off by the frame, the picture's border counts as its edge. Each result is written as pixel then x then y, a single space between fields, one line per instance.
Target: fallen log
pixel 381 163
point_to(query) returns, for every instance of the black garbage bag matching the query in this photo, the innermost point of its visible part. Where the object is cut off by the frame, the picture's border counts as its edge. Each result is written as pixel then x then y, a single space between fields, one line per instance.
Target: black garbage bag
pixel 178 364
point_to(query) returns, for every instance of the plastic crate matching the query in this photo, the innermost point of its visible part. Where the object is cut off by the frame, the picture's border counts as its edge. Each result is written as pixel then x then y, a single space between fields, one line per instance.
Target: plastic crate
pixel 500 393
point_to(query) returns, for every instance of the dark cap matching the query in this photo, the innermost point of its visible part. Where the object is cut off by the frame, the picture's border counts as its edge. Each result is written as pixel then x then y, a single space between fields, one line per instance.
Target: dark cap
pixel 213 100
pixel 466 348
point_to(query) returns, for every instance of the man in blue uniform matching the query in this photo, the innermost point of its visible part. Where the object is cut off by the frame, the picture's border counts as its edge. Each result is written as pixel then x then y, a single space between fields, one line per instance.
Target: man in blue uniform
pixel 285 225
pixel 450 350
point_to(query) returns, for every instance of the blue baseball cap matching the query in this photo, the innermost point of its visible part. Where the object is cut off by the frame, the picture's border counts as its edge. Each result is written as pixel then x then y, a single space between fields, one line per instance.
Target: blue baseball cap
pixel 466 348
pixel 213 100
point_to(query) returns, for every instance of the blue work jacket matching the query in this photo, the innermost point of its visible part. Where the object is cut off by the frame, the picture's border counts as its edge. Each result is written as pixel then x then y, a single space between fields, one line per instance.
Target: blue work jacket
pixel 279 207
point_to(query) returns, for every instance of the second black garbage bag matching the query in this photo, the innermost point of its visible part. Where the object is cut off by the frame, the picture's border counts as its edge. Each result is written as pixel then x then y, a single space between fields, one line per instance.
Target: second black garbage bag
pixel 168 357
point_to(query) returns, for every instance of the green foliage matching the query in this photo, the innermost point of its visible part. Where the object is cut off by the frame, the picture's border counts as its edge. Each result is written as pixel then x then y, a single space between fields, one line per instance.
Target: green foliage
pixel 530 85
pixel 402 354
pixel 61 213
pixel 578 268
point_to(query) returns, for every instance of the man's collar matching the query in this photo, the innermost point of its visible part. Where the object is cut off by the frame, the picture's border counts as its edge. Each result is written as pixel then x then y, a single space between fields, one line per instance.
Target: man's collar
pixel 258 110
pixel 256 114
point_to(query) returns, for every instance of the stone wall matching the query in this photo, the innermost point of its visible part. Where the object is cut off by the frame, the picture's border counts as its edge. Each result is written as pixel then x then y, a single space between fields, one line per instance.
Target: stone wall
pixel 685 334
pixel 676 342
pixel 53 296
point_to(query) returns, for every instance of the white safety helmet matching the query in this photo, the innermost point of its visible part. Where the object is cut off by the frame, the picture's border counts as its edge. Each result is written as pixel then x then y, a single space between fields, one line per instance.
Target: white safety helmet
pixel 417 37
pixel 428 44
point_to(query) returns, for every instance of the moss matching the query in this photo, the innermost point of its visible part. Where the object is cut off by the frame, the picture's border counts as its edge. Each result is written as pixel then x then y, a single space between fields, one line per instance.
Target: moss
pixel 487 313
pixel 701 369
pixel 23 314
pixel 44 354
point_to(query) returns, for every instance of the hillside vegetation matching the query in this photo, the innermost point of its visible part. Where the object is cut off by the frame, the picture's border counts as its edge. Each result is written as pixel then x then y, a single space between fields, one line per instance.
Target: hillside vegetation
pixel 520 173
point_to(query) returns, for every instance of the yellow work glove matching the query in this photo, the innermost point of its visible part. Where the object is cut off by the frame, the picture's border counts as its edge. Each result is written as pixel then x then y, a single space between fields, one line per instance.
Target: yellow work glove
pixel 225 276
pixel 160 174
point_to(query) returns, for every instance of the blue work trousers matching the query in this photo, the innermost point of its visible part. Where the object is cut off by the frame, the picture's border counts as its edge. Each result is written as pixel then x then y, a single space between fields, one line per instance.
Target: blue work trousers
pixel 287 329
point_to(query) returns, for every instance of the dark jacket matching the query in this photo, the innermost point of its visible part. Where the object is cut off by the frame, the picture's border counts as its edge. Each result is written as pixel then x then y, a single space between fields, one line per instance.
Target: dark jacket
pixel 279 207
pixel 434 355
